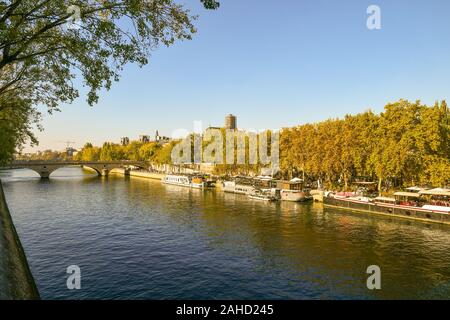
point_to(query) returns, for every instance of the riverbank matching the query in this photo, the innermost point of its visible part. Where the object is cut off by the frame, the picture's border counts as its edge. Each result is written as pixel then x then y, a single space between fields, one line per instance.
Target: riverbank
pixel 16 280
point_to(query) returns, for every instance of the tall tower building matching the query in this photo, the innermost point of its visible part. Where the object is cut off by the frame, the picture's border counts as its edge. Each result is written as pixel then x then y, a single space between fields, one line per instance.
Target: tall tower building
pixel 144 139
pixel 230 122
pixel 124 141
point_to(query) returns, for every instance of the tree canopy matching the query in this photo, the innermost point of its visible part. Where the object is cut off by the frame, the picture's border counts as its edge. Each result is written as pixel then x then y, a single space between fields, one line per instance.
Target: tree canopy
pixel 407 144
pixel 46 44
pixel 16 127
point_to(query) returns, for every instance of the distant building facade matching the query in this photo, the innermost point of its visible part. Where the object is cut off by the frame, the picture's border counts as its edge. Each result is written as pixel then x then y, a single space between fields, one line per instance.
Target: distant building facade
pixel 144 139
pixel 231 122
pixel 71 151
pixel 161 139
pixel 124 141
pixel 212 128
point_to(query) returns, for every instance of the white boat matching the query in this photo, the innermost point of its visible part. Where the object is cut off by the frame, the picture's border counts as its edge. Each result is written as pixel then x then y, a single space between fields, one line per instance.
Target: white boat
pixel 186 181
pixel 261 195
pixel 229 186
pixel 233 187
pixel 437 199
pixel 436 208
pixel 293 190
pixel 176 180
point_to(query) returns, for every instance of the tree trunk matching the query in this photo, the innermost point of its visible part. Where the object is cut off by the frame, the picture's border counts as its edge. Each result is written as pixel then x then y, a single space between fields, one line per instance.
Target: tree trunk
pixel 379 185
pixel 345 182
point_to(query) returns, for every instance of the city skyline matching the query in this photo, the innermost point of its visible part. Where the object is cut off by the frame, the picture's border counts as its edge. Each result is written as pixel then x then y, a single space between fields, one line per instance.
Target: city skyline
pixel 312 61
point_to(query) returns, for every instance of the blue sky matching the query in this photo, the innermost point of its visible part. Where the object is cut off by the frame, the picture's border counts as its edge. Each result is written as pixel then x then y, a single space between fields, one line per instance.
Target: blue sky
pixel 273 64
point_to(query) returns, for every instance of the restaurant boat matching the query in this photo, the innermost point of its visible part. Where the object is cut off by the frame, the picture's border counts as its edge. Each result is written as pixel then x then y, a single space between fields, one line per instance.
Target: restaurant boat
pixel 246 185
pixel 293 190
pixel 428 205
pixel 196 182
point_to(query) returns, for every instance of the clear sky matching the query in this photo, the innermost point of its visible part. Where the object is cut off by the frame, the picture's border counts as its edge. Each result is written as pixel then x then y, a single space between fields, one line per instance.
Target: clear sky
pixel 273 64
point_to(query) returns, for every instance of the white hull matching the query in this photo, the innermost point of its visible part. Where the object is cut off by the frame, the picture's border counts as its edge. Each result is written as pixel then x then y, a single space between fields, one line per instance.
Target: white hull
pixel 230 186
pixel 261 198
pixel 178 184
pixel 182 181
pixel 436 208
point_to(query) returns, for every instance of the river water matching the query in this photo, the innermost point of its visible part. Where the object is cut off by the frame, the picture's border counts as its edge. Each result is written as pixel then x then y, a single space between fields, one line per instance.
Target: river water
pixel 138 239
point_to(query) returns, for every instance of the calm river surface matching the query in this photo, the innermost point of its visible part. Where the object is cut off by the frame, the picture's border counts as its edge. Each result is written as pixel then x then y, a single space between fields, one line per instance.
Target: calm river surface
pixel 139 239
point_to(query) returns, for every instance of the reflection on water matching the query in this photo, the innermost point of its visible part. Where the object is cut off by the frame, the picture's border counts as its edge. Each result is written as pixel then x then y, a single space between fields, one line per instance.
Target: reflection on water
pixel 137 238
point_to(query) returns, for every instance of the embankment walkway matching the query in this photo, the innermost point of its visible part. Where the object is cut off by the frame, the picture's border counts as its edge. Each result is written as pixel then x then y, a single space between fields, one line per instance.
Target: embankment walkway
pixel 16 280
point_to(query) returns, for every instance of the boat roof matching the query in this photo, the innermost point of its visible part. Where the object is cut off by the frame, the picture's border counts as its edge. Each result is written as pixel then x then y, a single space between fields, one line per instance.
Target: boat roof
pixel 264 177
pixel 289 181
pixel 407 194
pixel 384 199
pixel 296 180
pixel 436 192
pixel 415 188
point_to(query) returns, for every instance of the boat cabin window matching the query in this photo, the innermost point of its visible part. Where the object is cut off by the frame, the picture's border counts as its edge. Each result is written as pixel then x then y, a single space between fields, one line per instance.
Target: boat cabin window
pixel 287 185
pixel 438 200
pixel 409 199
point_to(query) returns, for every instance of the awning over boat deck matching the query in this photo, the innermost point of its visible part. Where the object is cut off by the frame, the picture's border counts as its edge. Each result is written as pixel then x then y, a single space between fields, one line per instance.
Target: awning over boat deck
pixel 264 177
pixel 436 192
pixel 407 194
pixel 415 189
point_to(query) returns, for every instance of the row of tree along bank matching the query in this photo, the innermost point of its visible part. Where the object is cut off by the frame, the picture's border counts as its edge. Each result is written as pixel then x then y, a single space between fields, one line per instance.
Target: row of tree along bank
pixel 407 144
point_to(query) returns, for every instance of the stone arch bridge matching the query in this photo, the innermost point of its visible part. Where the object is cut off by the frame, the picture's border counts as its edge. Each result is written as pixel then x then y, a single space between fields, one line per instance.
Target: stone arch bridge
pixel 45 168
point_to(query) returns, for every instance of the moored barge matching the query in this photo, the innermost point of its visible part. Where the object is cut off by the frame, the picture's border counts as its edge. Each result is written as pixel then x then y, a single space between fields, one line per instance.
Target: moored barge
pixel 425 205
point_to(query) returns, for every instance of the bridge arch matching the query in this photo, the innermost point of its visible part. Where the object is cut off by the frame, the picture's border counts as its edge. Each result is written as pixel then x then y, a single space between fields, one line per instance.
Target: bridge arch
pixel 99 172
pixel 93 168
pixel 45 169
